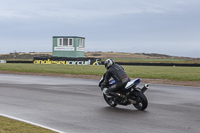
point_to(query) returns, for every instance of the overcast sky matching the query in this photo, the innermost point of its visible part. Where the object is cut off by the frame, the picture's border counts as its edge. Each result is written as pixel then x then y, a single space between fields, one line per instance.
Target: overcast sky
pixel 137 26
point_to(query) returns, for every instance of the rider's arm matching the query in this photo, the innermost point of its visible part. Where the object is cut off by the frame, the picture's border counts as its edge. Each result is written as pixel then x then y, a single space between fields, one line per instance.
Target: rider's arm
pixel 122 67
pixel 107 77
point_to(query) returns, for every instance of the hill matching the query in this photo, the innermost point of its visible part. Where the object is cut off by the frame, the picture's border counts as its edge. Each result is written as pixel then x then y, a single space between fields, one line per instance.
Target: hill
pixel 142 57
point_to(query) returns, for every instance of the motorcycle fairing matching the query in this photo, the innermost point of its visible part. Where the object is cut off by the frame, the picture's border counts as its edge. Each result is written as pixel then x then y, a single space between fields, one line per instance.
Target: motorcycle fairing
pixel 132 83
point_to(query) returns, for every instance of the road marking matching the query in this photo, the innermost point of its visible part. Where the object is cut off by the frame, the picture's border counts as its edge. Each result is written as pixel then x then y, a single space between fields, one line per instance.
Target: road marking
pixel 32 123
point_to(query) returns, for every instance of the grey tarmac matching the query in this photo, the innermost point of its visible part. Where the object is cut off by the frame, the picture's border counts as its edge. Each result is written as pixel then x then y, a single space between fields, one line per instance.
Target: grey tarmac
pixel 76 106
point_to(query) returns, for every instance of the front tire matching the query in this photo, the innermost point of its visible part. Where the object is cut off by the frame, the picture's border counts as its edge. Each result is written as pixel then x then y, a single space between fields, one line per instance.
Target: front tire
pixel 141 101
pixel 109 101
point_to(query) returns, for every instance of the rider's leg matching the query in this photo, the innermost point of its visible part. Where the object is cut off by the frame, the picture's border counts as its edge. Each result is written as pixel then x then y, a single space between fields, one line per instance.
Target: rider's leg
pixel 112 91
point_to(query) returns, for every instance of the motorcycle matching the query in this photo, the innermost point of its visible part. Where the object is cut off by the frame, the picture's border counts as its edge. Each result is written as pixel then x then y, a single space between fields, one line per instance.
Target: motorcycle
pixel 133 94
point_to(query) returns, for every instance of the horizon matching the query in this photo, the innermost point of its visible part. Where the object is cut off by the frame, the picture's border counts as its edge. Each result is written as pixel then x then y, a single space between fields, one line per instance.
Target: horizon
pixel 102 52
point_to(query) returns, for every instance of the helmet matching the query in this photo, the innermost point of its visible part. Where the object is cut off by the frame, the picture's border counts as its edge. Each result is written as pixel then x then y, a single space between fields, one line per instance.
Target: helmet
pixel 108 63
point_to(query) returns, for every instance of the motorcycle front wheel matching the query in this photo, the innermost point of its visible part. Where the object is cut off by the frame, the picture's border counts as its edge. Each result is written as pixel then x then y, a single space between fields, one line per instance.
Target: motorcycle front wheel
pixel 141 101
pixel 109 101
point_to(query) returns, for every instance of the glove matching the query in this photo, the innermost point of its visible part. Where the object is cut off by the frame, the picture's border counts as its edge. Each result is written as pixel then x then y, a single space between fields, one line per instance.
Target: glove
pixel 102 88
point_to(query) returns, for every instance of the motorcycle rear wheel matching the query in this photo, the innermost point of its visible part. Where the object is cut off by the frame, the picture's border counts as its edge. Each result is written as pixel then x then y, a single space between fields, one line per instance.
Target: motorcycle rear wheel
pixel 109 101
pixel 142 101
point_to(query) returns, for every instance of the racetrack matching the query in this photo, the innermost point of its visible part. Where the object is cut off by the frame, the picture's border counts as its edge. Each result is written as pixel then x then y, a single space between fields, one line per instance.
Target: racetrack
pixel 76 105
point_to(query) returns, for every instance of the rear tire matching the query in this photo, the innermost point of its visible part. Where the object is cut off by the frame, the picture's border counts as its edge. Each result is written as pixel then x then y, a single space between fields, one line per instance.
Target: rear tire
pixel 109 101
pixel 141 100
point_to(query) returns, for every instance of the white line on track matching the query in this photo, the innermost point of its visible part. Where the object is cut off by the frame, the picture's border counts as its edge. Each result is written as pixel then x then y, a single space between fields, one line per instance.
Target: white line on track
pixel 32 123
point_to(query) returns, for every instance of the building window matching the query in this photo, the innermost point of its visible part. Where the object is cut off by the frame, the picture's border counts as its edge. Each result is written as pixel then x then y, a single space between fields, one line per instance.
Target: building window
pixel 65 42
pixel 70 41
pixel 80 42
pixel 59 41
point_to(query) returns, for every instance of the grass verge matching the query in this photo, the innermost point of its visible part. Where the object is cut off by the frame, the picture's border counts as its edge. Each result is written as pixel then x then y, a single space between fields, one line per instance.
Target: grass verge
pixel 12 126
pixel 151 72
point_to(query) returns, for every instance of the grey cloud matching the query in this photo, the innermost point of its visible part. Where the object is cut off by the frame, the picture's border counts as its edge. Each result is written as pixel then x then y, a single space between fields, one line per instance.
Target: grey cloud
pixel 111 25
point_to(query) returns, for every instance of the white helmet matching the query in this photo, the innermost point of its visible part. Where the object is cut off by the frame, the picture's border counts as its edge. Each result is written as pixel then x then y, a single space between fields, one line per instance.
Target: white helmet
pixel 108 63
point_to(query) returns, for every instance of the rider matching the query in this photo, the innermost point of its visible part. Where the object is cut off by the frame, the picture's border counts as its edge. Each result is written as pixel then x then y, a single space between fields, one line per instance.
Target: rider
pixel 118 74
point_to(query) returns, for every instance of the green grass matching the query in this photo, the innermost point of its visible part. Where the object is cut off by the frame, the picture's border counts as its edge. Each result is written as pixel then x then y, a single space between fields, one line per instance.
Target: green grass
pixel 13 126
pixel 171 73
pixel 152 72
pixel 156 60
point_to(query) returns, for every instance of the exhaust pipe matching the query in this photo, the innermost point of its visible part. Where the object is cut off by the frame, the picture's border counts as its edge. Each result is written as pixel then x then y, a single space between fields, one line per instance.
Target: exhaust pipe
pixel 146 86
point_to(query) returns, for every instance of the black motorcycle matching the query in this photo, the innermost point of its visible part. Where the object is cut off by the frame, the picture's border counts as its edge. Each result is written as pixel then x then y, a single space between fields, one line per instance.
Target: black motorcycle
pixel 133 94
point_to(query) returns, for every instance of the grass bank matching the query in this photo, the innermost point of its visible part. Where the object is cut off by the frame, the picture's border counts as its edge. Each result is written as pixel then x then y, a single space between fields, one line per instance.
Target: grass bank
pixel 152 72
pixel 13 126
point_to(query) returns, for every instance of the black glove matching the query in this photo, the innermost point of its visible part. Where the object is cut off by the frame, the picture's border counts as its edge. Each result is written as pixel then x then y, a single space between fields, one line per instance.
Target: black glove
pixel 102 88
